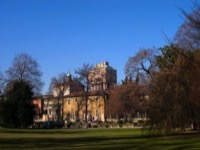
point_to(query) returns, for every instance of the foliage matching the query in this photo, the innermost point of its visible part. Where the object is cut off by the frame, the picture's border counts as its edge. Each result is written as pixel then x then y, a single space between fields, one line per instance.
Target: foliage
pixel 175 90
pixel 167 57
pixel 25 68
pixel 17 110
pixel 69 124
pixel 172 78
pixel 127 100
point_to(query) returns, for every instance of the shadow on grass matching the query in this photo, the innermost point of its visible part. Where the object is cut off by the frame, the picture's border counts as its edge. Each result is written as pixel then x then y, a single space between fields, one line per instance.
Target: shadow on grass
pixel 94 139
pixel 41 131
pixel 140 143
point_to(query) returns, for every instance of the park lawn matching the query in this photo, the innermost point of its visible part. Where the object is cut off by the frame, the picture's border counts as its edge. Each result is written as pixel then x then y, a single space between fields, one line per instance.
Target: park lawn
pixel 120 138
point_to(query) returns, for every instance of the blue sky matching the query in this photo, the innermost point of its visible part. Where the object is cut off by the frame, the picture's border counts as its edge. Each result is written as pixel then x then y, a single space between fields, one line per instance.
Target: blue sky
pixel 64 34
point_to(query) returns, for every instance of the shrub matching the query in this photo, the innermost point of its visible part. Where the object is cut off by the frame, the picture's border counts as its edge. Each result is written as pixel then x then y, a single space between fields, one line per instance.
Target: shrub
pixel 120 123
pixel 95 126
pixel 69 124
pixel 140 122
pixel 107 125
pixel 39 125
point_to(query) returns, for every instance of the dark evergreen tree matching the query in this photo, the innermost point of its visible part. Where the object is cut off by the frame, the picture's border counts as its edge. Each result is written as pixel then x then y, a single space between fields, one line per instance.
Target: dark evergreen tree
pixel 17 109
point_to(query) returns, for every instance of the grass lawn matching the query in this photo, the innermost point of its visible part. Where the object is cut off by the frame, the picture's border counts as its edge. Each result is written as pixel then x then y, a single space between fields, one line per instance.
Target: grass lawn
pixel 121 138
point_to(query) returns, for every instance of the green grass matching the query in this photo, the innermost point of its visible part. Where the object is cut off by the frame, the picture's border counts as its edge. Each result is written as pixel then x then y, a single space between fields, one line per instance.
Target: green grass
pixel 93 139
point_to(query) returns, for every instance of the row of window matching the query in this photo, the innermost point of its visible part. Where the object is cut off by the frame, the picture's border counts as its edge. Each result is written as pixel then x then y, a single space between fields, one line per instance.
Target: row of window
pixel 68 101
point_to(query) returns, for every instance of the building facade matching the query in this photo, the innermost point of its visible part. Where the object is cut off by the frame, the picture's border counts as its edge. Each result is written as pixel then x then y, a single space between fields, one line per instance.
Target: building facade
pixel 72 105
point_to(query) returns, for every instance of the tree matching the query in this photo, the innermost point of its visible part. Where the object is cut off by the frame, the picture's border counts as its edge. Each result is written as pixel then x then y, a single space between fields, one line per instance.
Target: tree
pixel 174 93
pixel 83 78
pixel 1 81
pixel 168 57
pixel 1 77
pixel 25 68
pixel 127 100
pixel 127 80
pixel 188 34
pixel 175 90
pixel 17 110
pixel 143 64
pixel 143 68
pixel 60 85
pixel 80 103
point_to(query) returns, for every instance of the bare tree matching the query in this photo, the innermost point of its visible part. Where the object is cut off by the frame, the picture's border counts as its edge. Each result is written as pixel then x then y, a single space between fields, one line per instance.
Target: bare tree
pixel 143 64
pixel 60 85
pixel 142 68
pixel 83 77
pixel 114 106
pixel 188 34
pixel 2 81
pixel 80 103
pixel 128 99
pixel 25 68
pixel 194 17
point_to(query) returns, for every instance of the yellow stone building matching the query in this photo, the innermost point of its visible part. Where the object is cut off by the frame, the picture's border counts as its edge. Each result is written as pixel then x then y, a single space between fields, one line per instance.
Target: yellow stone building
pixel 73 105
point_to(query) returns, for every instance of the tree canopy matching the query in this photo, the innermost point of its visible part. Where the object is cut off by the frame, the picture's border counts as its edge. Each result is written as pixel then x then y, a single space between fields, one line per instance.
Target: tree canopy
pixel 188 34
pixel 2 80
pixel 142 64
pixel 17 110
pixel 25 68
pixel 175 91
pixel 173 87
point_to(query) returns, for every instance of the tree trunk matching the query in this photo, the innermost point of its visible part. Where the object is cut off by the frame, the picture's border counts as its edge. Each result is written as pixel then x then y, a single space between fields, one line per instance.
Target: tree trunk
pixel 58 110
pixel 86 107
pixel 62 109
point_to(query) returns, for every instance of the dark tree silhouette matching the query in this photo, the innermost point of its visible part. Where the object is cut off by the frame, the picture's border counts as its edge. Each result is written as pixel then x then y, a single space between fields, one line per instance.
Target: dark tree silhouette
pixel 17 110
pixel 174 93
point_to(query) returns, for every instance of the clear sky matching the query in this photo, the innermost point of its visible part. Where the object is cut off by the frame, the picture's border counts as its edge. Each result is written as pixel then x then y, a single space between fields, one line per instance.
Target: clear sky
pixel 64 34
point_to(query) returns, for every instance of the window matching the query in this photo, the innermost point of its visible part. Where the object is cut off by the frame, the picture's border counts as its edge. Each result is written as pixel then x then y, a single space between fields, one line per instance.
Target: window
pixel 97 98
pixel 68 101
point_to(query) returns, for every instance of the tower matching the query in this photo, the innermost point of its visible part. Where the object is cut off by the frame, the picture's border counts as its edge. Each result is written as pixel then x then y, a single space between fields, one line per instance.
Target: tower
pixel 102 77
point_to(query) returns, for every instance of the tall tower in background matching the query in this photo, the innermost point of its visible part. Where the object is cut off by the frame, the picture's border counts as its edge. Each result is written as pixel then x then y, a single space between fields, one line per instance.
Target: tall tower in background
pixel 102 77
